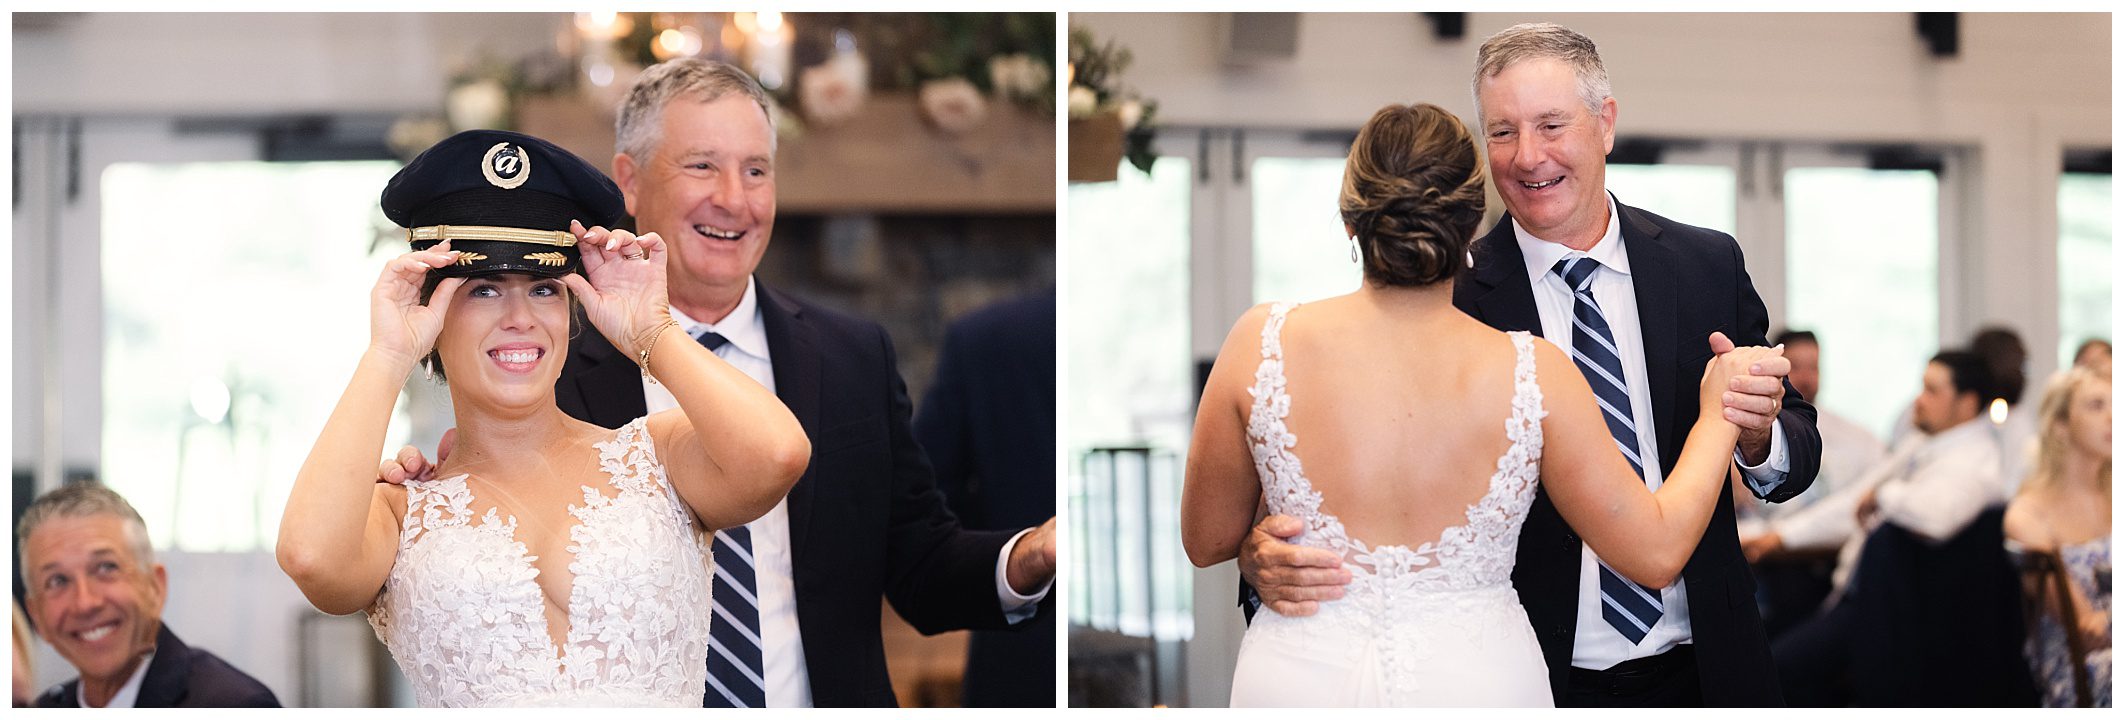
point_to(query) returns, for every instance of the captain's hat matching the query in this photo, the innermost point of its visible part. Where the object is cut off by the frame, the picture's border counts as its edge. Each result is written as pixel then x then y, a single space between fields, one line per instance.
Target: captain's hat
pixel 503 200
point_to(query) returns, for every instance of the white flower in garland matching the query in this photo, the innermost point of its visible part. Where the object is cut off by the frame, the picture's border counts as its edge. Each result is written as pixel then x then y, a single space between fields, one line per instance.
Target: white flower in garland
pixel 1083 102
pixel 834 90
pixel 953 104
pixel 1018 76
pixel 478 104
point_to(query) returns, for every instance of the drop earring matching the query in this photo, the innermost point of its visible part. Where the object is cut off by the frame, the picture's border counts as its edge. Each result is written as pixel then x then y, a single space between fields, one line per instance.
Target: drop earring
pixel 1353 248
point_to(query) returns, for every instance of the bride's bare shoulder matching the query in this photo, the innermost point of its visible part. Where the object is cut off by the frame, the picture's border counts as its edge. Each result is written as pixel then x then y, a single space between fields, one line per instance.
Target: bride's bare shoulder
pixel 1552 368
pixel 1245 336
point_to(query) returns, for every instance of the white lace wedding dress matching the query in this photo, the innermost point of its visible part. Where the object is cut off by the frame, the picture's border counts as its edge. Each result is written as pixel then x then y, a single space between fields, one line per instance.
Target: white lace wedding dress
pixel 1435 625
pixel 463 614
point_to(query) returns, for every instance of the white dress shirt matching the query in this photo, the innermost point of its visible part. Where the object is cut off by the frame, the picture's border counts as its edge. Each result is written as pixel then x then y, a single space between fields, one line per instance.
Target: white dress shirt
pixel 128 694
pixel 1830 521
pixel 781 638
pixel 1597 645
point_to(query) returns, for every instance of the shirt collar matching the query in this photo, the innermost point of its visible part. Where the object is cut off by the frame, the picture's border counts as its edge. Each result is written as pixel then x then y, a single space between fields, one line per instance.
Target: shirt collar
pixel 128 695
pixel 1541 255
pixel 742 327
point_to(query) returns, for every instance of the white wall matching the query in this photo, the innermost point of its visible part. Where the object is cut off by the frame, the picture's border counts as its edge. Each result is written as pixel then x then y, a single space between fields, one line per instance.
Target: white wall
pixel 2023 88
pixel 1787 76
pixel 256 63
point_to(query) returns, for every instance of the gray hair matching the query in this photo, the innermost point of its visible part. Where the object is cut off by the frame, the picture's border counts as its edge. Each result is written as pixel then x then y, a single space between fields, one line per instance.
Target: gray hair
pixel 641 115
pixel 1537 41
pixel 83 500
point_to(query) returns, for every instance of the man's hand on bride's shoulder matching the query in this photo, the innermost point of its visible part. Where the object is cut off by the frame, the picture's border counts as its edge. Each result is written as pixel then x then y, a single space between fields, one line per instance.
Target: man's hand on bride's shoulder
pixel 411 465
pixel 1292 579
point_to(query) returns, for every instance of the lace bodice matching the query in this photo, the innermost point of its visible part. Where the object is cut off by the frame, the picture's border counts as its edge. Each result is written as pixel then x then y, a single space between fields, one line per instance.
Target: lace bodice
pixel 463 614
pixel 1437 624
pixel 1475 555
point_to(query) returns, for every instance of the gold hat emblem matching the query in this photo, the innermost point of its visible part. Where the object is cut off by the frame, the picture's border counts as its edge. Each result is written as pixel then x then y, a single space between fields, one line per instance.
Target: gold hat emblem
pixel 548 259
pixel 506 166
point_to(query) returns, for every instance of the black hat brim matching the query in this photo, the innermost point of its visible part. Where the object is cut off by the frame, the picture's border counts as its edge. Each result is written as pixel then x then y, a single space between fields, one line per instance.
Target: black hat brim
pixel 490 257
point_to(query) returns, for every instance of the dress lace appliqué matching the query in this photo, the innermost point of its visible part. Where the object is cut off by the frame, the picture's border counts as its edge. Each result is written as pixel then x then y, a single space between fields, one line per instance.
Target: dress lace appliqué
pixel 1421 604
pixel 463 615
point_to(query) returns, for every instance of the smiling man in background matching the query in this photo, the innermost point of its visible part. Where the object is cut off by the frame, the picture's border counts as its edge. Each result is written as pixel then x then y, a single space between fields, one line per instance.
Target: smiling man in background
pixel 96 594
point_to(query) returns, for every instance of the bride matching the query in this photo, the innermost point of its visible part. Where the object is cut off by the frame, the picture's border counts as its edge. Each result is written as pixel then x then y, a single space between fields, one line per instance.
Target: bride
pixel 1423 435
pixel 549 561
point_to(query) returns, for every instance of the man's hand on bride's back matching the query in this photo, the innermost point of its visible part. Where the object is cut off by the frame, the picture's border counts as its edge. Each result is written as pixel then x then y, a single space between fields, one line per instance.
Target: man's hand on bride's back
pixel 1292 579
pixel 411 465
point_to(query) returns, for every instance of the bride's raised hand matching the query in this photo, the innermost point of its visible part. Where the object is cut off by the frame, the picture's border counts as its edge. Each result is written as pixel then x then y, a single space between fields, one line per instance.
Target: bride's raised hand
pixel 623 294
pixel 401 329
pixel 1722 368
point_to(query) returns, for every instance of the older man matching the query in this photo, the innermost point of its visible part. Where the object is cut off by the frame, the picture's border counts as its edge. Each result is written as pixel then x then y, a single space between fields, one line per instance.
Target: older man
pixel 796 591
pixel 96 594
pixel 1664 287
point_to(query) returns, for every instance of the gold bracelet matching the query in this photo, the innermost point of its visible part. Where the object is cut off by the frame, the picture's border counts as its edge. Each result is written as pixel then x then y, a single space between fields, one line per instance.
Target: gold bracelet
pixel 647 334
pixel 655 334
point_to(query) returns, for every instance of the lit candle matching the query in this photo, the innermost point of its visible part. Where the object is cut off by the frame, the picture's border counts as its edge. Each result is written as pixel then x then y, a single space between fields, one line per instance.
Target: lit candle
pixel 771 56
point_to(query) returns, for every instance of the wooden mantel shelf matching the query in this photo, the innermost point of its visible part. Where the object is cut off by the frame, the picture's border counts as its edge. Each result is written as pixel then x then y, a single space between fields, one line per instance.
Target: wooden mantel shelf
pixel 887 159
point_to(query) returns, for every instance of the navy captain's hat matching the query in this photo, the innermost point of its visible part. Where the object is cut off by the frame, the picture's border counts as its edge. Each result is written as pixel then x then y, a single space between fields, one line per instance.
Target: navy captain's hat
pixel 503 200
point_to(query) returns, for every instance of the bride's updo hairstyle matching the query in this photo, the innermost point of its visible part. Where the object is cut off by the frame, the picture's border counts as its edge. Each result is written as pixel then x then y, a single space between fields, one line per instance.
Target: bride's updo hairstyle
pixel 1413 192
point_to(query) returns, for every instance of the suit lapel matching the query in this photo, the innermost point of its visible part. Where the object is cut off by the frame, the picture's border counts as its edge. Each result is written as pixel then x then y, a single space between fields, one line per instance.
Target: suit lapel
pixel 1503 298
pixel 1652 274
pixel 164 683
pixel 793 350
pixel 606 385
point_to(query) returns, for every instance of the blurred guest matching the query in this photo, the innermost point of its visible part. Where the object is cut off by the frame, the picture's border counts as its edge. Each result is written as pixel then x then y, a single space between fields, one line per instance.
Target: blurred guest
pixel 2006 357
pixel 2063 508
pixel 988 424
pixel 1793 584
pixel 1933 485
pixel 2093 355
pixel 96 594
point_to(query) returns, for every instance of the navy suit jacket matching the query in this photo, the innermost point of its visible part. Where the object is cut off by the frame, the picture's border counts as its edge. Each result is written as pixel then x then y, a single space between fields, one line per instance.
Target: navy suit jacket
pixel 865 520
pixel 989 425
pixel 180 676
pixel 1689 282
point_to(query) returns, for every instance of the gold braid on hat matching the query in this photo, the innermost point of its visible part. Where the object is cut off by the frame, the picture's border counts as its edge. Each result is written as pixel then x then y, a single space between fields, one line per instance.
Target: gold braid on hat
pixel 557 238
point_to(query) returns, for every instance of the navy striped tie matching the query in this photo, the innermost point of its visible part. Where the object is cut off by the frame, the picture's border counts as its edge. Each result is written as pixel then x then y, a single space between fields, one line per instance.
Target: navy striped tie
pixel 1630 608
pixel 713 340
pixel 735 664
